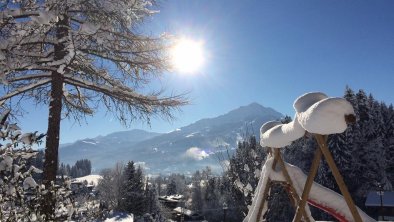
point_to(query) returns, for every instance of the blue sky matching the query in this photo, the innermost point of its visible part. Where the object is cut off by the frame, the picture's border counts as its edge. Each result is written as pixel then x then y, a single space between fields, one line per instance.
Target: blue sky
pixel 268 52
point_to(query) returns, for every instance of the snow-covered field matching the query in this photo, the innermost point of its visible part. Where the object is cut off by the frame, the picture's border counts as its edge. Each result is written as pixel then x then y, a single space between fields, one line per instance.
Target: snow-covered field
pixel 120 217
pixel 91 179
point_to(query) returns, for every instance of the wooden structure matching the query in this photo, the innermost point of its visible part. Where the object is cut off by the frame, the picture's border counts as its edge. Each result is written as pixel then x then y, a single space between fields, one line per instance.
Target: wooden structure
pixel 300 202
pixel 279 164
pixel 322 150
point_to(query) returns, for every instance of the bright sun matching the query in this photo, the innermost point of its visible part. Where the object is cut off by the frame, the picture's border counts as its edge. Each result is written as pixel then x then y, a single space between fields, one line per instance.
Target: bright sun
pixel 187 55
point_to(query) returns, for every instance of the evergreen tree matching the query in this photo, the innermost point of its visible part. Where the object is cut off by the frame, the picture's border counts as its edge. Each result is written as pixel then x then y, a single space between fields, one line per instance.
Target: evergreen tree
pixel 244 170
pixel 133 200
pixel 197 203
pixel 151 201
pixel 171 188
pixel 212 200
pixel 361 152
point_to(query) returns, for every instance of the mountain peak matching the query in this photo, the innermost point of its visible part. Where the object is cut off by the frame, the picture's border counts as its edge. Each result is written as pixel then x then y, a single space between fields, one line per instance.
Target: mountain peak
pixel 254 109
pixel 245 114
pixel 171 152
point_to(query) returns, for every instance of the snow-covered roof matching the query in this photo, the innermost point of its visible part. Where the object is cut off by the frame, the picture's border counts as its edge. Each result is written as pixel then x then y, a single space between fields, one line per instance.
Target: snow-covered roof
pixel 172 198
pixel 120 217
pixel 373 199
pixel 89 178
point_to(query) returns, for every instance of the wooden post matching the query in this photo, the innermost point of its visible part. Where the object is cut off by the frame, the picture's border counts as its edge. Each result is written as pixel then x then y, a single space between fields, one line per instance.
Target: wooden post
pixel 308 185
pixel 265 194
pixel 290 182
pixel 268 187
pixel 338 177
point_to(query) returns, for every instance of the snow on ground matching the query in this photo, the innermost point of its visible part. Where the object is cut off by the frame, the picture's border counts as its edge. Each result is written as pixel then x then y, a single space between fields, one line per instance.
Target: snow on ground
pixel 89 142
pixel 90 179
pixel 120 217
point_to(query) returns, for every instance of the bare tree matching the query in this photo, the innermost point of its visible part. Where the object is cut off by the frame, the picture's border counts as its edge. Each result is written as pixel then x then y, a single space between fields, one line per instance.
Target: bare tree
pixel 80 55
pixel 110 186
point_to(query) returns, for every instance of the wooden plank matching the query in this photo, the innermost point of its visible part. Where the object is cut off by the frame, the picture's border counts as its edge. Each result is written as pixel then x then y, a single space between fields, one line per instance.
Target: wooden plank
pixel 308 185
pixel 276 157
pixel 268 187
pixel 338 177
pixel 286 175
pixel 265 195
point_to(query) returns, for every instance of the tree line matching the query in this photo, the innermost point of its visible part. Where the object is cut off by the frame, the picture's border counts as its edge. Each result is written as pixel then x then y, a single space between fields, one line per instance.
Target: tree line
pixel 79 169
pixel 364 154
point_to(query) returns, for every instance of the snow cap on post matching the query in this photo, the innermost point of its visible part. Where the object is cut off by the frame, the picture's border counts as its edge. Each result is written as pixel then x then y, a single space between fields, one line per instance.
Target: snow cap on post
pixel 324 116
pixel 302 103
pixel 268 125
pixel 277 135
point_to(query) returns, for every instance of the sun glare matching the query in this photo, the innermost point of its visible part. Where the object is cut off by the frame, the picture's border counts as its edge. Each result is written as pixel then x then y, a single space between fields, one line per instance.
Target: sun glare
pixel 187 56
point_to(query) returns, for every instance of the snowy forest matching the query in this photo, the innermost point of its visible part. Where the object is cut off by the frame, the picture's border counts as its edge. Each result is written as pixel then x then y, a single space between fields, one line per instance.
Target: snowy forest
pixel 363 153
pixel 77 58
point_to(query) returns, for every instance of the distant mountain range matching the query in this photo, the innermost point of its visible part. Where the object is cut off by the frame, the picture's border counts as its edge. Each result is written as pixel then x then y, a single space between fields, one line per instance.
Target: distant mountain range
pixel 183 150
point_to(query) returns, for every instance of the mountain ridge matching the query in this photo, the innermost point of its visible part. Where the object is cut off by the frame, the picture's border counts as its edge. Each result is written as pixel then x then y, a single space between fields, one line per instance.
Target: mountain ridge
pixel 183 150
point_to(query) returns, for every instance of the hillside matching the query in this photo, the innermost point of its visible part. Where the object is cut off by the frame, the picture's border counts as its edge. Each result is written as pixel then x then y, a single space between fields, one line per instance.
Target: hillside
pixel 183 150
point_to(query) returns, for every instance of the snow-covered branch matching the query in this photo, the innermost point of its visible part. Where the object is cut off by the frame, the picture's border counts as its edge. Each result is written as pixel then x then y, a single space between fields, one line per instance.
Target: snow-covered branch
pixel 29 77
pixel 25 89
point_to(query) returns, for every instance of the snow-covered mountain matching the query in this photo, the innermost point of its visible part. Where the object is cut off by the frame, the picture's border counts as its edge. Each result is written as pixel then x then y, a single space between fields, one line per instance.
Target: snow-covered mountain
pixel 183 150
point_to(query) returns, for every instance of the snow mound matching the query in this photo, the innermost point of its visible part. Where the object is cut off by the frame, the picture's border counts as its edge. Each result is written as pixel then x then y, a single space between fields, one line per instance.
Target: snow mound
pixel 120 217
pixel 29 182
pixel 280 135
pixel 90 179
pixel 302 103
pixel 89 28
pixel 268 125
pixel 326 116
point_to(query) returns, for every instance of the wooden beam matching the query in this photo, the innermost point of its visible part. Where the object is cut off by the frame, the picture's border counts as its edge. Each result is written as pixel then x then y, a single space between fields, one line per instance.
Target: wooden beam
pixel 265 194
pixel 286 175
pixel 338 177
pixel 308 185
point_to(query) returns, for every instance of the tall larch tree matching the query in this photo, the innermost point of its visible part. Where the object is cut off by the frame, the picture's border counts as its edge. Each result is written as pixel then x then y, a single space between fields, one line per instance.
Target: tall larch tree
pixel 77 56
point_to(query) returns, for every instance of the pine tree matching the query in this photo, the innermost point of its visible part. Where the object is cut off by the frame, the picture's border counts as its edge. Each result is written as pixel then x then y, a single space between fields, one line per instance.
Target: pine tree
pixel 389 143
pixel 171 188
pixel 133 200
pixel 243 172
pixel 197 198
pixel 211 200
pixel 151 201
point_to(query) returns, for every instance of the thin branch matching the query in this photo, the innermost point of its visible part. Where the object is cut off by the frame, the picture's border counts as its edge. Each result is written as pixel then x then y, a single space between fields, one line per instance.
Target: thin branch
pixel 29 77
pixel 25 89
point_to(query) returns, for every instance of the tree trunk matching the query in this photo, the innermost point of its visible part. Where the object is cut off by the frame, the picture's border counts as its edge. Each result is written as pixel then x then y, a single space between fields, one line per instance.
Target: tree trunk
pixel 53 133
